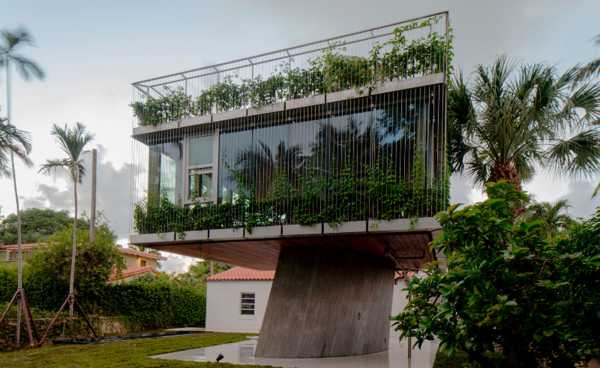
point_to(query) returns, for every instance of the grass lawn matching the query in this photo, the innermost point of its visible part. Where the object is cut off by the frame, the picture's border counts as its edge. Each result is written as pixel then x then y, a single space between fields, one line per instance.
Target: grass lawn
pixel 129 353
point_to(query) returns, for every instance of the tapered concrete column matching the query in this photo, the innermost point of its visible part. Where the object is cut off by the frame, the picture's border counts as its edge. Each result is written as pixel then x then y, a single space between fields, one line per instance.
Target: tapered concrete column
pixel 325 302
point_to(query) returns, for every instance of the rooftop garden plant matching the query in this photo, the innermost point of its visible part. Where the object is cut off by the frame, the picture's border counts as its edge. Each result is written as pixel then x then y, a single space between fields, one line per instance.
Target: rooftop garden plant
pixel 331 71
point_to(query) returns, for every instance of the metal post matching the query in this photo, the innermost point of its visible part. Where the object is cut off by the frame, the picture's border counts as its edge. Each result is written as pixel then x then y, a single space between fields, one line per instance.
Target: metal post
pixel 93 195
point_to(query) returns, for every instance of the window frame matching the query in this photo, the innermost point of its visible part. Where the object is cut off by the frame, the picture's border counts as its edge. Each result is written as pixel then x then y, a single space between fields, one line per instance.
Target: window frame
pixel 245 303
pixel 212 169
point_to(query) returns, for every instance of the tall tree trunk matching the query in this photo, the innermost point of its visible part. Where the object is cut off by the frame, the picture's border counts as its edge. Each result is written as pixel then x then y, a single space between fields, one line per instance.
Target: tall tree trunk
pixel 19 251
pixel 518 355
pixel 74 246
pixel 19 231
pixel 508 172
pixel 93 204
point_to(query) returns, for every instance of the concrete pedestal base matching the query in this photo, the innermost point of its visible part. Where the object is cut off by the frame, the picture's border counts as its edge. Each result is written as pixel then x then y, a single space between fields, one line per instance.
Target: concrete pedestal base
pixel 326 302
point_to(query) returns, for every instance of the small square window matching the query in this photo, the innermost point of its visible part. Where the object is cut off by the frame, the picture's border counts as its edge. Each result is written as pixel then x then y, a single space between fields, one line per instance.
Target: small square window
pixel 142 263
pixel 248 304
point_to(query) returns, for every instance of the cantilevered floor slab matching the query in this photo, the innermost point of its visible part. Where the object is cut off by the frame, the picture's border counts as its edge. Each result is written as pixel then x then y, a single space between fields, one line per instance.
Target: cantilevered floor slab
pixel 403 241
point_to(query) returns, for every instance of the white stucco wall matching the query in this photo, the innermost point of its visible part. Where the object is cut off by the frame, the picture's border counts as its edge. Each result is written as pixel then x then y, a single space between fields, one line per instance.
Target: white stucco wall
pixel 223 305
pixel 400 297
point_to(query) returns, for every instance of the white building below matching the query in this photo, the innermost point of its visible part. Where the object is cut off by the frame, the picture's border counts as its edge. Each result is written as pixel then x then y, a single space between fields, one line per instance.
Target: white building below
pixel 236 299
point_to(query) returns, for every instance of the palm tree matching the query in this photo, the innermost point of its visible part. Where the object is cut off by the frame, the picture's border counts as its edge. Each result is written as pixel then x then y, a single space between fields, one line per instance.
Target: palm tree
pixel 592 68
pixel 10 44
pixel 72 141
pixel 515 120
pixel 552 215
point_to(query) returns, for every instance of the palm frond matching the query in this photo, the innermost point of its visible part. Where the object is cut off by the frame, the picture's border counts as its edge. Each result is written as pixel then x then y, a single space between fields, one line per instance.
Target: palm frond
pixel 596 190
pixel 13 39
pixel 27 67
pixel 13 141
pixel 584 98
pixel 51 166
pixel 461 121
pixel 479 167
pixel 72 140
pixel 578 155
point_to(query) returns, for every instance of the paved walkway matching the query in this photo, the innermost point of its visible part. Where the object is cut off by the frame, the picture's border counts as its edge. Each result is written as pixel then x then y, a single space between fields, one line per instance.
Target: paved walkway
pixel 243 353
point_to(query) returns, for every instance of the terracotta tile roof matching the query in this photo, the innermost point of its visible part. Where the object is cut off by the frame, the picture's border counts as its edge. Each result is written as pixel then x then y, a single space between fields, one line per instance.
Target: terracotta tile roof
pixel 127 251
pixel 137 253
pixel 243 274
pixel 404 275
pixel 25 247
pixel 131 272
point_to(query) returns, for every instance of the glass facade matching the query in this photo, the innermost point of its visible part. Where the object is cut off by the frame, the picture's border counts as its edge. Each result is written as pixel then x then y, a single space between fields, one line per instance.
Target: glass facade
pixel 400 132
pixel 370 157
pixel 165 177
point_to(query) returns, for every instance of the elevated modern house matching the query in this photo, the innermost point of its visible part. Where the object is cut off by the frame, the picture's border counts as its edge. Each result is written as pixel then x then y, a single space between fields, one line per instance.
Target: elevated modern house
pixel 325 161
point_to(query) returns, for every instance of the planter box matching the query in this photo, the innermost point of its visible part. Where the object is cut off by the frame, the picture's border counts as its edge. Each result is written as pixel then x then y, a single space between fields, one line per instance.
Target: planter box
pixel 152 238
pixel 147 129
pixel 226 234
pixel 346 228
pixel 404 225
pixel 402 84
pixel 346 94
pixel 196 120
pixel 229 115
pixel 304 102
pixel 194 235
pixel 276 107
pixel 261 232
pixel 290 230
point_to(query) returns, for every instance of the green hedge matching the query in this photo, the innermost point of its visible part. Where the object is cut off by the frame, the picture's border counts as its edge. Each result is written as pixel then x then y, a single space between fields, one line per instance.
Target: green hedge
pixel 154 304
pixel 145 304
pixel 8 282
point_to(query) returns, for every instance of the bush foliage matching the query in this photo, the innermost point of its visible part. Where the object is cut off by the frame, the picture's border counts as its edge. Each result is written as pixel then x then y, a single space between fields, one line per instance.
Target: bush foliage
pixel 509 288
pixel 312 199
pixel 153 302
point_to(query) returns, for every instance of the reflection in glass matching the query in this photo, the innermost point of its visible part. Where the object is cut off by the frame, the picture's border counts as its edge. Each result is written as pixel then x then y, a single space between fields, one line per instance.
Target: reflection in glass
pixel 200 185
pixel 165 171
pixel 200 151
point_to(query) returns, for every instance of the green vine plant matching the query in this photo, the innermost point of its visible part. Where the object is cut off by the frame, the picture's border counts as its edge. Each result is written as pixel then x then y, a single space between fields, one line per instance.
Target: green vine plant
pixel 311 199
pixel 329 72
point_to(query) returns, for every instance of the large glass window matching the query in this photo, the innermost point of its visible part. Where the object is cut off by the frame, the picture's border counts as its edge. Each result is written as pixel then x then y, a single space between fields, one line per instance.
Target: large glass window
pixel 200 167
pixel 200 152
pixel 164 174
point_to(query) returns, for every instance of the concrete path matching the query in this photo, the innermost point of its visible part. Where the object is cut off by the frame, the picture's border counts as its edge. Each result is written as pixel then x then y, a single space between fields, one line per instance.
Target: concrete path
pixel 243 353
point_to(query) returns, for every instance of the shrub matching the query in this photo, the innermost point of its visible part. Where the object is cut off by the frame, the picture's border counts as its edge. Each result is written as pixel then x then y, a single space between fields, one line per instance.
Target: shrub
pixel 153 303
pixel 509 288
pixel 8 281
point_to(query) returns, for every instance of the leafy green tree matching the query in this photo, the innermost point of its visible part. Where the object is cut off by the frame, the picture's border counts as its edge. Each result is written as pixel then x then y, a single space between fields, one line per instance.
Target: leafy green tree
pixel 511 297
pixel 50 265
pixel 37 225
pixel 510 121
pixel 72 142
pixel 552 216
pixel 199 272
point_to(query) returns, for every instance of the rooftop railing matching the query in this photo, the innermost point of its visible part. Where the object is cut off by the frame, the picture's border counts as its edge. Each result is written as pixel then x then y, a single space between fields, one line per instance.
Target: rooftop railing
pixel 401 50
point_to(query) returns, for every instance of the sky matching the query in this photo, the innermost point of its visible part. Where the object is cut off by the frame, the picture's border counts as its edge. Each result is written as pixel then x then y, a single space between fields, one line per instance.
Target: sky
pixel 93 51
